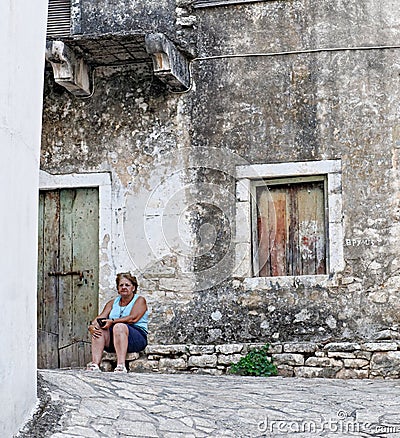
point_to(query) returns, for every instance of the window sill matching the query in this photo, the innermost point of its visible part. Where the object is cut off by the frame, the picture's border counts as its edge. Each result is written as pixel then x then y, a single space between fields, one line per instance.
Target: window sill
pixel 274 283
pixel 211 3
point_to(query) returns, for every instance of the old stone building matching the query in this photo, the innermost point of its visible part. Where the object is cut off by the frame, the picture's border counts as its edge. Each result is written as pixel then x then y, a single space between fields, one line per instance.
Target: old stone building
pixel 241 157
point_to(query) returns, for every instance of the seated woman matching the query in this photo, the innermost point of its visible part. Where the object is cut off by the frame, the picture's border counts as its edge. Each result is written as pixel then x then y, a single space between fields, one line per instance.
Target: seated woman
pixel 122 325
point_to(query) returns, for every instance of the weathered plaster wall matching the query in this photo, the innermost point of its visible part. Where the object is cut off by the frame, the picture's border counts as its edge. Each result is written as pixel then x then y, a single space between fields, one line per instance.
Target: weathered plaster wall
pixel 171 17
pixel 173 158
pixel 22 36
pixel 121 16
pixel 326 105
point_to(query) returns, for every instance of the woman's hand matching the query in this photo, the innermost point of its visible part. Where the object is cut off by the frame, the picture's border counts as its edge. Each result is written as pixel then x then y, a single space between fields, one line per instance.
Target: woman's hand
pixel 95 331
pixel 108 324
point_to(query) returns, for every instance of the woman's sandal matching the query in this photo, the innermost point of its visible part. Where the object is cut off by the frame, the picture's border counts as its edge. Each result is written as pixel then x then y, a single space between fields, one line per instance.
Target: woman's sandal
pixel 92 367
pixel 120 369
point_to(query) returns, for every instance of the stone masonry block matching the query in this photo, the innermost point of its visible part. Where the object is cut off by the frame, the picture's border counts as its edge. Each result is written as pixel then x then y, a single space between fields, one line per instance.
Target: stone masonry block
pixel 342 346
pixel 229 348
pixel 342 354
pixel 113 356
pixel 106 366
pixel 165 350
pixel 242 259
pixel 388 334
pixel 175 364
pixel 243 222
pixel 348 373
pixel 286 371
pixel 363 355
pixel 355 363
pixel 385 364
pixel 132 356
pixel 142 365
pixel 156 357
pixel 299 347
pixel 380 346
pixel 201 349
pixel 311 372
pixel 109 356
pixel 206 360
pixel 275 348
pixel 243 190
pixel 248 347
pixel 228 359
pixel 323 362
pixel 288 359
pixel 109 360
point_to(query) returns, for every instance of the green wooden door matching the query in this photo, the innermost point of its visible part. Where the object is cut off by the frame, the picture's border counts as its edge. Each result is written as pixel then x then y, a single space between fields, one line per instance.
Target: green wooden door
pixel 67 275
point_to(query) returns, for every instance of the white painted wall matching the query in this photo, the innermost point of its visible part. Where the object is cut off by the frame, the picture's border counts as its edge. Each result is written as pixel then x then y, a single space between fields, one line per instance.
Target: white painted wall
pixel 22 47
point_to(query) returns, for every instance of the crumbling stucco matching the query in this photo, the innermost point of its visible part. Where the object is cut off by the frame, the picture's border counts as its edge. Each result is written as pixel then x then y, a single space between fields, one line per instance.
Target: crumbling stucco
pixel 160 148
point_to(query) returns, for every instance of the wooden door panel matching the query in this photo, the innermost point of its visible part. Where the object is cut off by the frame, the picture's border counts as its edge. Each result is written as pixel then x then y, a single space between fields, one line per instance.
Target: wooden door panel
pixel 79 253
pixel 66 257
pixel 68 244
pixel 75 355
pixel 50 261
pixel 49 216
pixel 85 256
pixel 47 349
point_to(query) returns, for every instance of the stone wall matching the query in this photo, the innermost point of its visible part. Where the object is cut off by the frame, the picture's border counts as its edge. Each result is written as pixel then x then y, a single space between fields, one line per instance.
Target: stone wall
pixel 345 360
pixel 173 159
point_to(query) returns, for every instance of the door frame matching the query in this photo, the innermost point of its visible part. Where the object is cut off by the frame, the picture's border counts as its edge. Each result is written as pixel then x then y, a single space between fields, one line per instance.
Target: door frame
pixel 102 181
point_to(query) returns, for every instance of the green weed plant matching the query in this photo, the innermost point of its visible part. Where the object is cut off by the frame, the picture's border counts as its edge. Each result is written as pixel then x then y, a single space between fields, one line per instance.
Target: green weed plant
pixel 255 363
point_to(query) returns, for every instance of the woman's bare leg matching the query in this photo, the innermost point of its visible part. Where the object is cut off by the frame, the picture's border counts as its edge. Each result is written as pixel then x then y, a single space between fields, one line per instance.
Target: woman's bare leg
pixel 98 344
pixel 120 339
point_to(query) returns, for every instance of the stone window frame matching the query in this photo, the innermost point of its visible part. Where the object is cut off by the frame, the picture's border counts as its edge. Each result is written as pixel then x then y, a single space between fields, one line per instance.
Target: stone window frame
pixel 246 176
pixel 102 181
pixel 284 184
pixel 197 4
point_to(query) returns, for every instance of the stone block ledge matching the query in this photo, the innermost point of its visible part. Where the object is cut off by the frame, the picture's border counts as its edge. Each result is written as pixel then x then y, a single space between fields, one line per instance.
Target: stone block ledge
pixel 343 360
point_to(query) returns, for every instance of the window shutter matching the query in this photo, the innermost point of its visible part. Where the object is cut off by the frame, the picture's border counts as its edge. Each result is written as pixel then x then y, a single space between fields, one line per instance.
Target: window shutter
pixel 59 18
pixel 291 229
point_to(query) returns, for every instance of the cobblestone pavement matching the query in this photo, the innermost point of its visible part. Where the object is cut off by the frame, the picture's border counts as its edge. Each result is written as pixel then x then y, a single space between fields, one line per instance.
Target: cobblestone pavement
pixel 182 405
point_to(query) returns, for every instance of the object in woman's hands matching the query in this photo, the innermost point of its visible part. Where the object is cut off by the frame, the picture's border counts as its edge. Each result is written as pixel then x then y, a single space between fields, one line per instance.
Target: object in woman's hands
pixel 101 321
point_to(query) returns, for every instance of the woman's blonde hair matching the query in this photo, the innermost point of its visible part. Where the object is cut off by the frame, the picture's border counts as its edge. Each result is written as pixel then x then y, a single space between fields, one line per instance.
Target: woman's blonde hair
pixel 129 277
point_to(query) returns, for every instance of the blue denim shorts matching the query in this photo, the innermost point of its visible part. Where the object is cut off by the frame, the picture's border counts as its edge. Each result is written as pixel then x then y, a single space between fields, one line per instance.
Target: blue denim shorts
pixel 137 340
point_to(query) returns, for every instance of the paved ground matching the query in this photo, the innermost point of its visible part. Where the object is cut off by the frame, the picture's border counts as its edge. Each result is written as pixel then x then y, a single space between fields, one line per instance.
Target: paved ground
pixel 81 404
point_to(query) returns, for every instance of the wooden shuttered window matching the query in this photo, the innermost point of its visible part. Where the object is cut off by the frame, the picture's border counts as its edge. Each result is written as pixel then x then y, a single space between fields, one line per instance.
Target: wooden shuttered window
pixel 290 231
pixel 59 18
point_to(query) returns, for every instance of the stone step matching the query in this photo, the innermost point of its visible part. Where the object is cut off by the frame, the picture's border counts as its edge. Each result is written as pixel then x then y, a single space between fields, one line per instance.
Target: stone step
pixel 373 359
pixel 109 360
